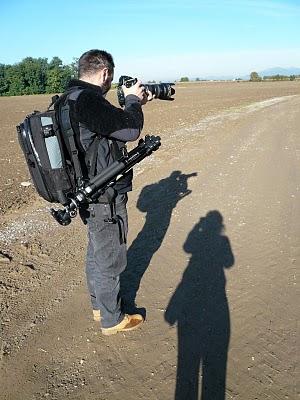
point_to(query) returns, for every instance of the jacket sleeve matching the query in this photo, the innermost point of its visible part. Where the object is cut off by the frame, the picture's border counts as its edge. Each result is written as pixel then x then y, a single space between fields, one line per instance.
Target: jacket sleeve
pixel 100 116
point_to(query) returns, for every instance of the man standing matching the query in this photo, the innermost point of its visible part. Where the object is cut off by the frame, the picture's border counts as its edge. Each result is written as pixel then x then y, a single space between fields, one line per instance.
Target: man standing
pixel 95 120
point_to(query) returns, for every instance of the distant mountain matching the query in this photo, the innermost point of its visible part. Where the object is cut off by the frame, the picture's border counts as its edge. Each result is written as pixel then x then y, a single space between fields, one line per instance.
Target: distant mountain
pixel 216 78
pixel 266 72
pixel 280 71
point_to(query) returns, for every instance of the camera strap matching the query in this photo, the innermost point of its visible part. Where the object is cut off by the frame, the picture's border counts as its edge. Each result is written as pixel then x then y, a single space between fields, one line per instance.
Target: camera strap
pixel 91 156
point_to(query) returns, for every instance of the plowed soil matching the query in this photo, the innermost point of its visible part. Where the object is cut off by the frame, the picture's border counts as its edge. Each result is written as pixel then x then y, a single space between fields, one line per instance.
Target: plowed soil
pixel 213 248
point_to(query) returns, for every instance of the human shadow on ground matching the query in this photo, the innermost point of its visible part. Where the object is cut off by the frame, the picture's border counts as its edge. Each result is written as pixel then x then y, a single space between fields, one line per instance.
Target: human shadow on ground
pixel 199 306
pixel 158 201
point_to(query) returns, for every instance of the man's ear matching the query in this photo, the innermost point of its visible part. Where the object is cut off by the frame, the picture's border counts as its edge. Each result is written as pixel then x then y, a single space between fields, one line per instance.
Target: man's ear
pixel 105 74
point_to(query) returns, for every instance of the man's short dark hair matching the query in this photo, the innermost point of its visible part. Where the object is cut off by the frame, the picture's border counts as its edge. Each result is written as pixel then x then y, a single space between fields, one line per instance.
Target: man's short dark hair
pixel 94 60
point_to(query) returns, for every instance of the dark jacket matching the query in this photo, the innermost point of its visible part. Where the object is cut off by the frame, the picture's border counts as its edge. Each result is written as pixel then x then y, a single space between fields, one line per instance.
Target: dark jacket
pixel 91 115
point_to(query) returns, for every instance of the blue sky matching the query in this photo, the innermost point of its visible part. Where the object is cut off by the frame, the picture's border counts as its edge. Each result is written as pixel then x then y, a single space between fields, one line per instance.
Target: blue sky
pixel 155 39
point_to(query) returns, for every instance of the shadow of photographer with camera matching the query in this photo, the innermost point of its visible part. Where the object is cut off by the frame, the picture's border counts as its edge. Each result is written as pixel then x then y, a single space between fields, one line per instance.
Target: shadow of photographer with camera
pixel 157 201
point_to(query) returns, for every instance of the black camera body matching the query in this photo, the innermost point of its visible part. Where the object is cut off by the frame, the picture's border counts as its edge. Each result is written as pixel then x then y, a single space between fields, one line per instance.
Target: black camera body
pixel 162 91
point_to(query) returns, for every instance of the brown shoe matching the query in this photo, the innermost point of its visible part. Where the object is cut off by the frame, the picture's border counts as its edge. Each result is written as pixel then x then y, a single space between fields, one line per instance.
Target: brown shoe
pixel 129 323
pixel 97 315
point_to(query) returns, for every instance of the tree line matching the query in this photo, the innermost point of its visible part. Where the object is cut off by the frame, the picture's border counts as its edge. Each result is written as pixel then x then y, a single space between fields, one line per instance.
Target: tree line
pixel 38 75
pixel 35 76
pixel 254 77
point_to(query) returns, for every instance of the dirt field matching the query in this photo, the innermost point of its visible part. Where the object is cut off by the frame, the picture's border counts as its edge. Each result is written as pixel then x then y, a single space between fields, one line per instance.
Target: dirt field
pixel 213 251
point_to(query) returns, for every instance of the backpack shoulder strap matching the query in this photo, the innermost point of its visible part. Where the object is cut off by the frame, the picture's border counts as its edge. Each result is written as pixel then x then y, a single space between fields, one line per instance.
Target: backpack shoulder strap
pixel 66 127
pixel 91 153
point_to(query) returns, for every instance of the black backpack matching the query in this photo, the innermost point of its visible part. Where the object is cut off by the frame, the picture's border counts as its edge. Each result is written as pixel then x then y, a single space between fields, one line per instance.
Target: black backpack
pixel 56 163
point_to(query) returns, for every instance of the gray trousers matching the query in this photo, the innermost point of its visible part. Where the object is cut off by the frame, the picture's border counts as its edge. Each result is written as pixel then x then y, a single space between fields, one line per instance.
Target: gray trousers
pixel 106 258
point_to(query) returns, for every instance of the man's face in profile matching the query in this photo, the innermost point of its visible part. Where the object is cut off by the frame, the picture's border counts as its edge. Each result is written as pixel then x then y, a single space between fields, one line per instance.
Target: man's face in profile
pixel 107 83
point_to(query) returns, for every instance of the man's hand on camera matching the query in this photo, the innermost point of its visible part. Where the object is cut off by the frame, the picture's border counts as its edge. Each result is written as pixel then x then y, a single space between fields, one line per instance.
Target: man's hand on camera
pixel 138 90
pixel 148 96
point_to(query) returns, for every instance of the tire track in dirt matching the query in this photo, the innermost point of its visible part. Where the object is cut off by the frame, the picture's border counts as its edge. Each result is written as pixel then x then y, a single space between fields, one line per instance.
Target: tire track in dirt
pixel 263 226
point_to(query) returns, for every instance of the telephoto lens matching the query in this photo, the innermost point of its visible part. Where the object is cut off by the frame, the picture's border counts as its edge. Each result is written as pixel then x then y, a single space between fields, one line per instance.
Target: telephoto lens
pixel 161 91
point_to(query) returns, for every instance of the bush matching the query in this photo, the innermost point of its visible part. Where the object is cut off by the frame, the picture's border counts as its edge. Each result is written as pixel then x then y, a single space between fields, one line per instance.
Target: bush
pixel 254 77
